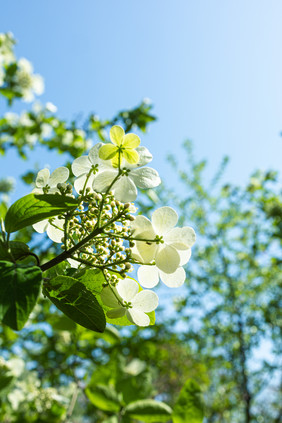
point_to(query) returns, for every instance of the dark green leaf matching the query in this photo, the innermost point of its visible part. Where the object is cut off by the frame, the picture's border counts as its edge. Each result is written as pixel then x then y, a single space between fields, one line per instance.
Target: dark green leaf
pixel 13 251
pixel 77 302
pixel 19 290
pixel 6 376
pixel 149 411
pixel 62 323
pixel 93 279
pixel 33 208
pixel 104 397
pixel 189 405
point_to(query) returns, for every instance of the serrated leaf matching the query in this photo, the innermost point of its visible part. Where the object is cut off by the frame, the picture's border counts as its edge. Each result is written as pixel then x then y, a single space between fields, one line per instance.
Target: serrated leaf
pixel 33 208
pixel 13 251
pixel 189 405
pixel 104 397
pixel 19 290
pixel 148 411
pixel 75 301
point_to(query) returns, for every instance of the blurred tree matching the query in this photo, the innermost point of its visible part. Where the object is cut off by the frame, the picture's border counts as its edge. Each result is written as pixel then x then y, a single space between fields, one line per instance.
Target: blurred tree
pixel 229 307
pixel 226 318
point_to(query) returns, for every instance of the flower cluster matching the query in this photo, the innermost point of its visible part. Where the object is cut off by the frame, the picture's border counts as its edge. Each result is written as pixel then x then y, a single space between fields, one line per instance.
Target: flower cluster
pixel 104 231
pixel 17 78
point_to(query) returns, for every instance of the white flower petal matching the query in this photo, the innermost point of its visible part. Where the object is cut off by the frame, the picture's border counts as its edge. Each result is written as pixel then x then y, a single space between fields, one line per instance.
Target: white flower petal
pixel 147 251
pixel 42 178
pixel 145 301
pixel 108 298
pixel 41 226
pixel 185 256
pixel 167 259
pixel 60 175
pixel 145 156
pixel 164 219
pixel 94 154
pixel 145 177
pixel 148 276
pixel 138 317
pixel 37 191
pixel 104 179
pixel 175 279
pixel 142 224
pixel 55 230
pixel 135 255
pixel 80 181
pixel 81 165
pixel 127 288
pixel 124 189
pixel 115 313
pixel 181 238
pixel 74 264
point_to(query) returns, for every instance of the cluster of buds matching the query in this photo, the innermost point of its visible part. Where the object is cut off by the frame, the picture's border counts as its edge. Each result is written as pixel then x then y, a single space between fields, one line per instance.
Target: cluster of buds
pixel 104 232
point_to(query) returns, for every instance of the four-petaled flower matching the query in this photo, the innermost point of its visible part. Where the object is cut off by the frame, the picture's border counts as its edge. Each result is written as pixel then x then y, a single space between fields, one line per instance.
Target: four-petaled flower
pixel 45 183
pixel 124 189
pixel 172 241
pixel 122 147
pixel 135 304
pixel 83 165
pixel 149 276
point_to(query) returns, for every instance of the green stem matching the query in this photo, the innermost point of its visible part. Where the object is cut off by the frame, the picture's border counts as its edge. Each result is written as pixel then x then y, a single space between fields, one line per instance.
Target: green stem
pixel 68 253
pixel 103 200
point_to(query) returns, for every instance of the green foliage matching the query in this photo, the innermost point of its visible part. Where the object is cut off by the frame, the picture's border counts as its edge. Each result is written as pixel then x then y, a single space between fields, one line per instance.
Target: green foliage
pixel 228 307
pixel 19 291
pixel 13 251
pixel 77 302
pixel 104 397
pixel 189 406
pixel 33 208
pixel 148 411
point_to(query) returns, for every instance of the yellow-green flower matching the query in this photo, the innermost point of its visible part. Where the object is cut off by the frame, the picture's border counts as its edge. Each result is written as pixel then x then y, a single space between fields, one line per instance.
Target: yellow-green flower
pixel 123 147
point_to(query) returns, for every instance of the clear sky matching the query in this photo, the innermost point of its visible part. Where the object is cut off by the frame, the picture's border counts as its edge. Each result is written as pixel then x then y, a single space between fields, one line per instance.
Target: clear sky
pixel 213 70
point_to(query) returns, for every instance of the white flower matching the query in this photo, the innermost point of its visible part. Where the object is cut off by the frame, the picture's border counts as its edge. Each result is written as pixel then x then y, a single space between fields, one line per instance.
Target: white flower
pixel 54 228
pixel 67 137
pixel 82 166
pixel 51 107
pixel 28 83
pixel 167 253
pixel 124 189
pixel 46 130
pixel 136 304
pixel 46 183
pixel 149 276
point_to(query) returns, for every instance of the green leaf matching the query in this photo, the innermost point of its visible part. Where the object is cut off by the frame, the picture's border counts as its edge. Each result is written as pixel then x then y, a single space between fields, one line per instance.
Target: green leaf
pixel 149 411
pixel 112 419
pixel 75 301
pixel 93 279
pixel 13 251
pixel 189 405
pixel 6 375
pixel 19 290
pixel 33 208
pixel 104 397
pixel 62 323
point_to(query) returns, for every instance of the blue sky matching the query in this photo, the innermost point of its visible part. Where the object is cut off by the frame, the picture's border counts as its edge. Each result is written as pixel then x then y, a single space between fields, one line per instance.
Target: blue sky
pixel 213 70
